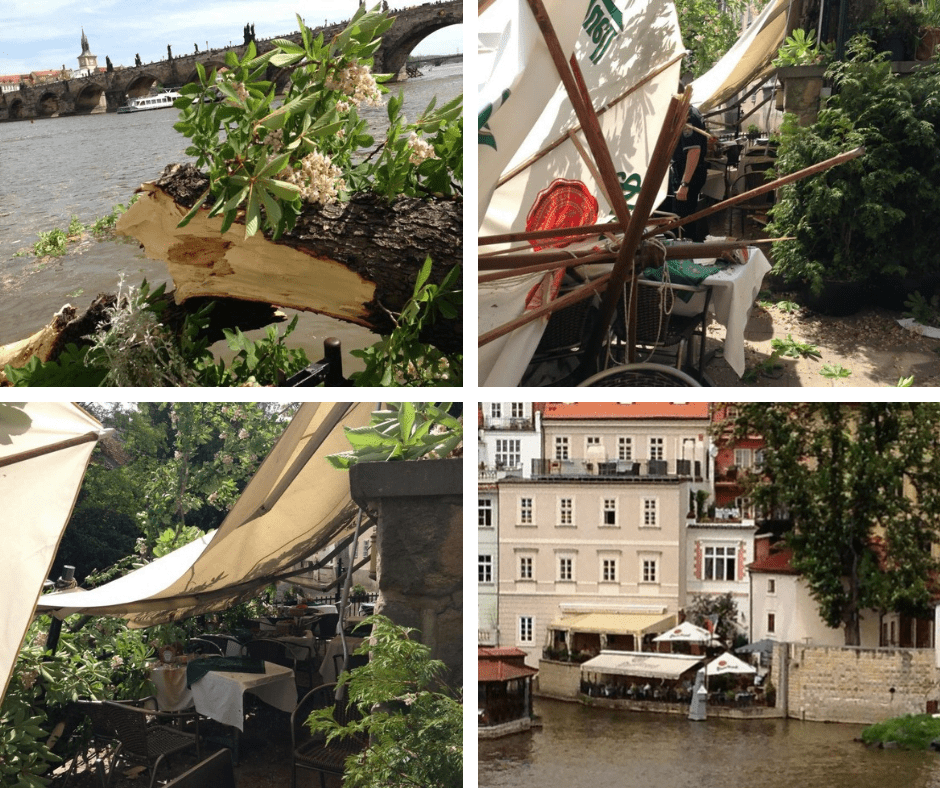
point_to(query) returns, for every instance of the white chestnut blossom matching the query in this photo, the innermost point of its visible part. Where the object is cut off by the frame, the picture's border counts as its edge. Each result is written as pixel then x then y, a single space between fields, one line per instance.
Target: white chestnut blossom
pixel 420 149
pixel 318 178
pixel 356 81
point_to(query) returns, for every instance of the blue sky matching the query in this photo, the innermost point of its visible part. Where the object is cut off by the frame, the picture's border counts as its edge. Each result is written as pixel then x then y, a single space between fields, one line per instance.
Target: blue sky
pixel 37 35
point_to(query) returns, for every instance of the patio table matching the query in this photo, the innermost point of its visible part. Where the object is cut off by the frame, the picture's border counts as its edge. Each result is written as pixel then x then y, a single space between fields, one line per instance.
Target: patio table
pixel 335 646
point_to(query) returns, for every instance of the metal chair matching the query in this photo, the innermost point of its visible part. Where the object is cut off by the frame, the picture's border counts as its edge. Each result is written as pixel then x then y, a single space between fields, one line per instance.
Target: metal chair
pixel 141 739
pixel 659 327
pixel 315 753
pixel 216 771
pixel 355 661
pixel 656 375
pixel 566 331
pixel 202 646
pixel 325 630
pixel 280 653
pixel 228 645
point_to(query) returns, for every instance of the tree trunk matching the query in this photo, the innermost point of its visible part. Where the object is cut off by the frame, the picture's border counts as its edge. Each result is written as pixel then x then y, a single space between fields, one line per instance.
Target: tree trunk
pixel 355 261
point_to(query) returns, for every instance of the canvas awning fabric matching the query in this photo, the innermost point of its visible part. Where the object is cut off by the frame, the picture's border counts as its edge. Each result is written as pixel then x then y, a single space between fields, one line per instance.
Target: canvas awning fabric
pixel 686 632
pixel 747 61
pixel 638 624
pixel 640 664
pixel 295 505
pixel 44 450
pixel 728 663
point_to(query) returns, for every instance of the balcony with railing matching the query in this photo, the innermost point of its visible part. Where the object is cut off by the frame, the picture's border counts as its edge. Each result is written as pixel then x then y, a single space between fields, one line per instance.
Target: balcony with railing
pixel 616 469
pixel 519 423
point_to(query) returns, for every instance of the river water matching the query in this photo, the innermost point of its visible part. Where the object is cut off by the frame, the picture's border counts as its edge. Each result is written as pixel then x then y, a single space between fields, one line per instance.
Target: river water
pixel 84 165
pixel 601 748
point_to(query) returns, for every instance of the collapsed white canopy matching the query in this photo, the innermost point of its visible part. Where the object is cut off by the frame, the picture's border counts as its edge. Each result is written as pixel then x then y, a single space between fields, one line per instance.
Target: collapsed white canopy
pixel 44 450
pixel 295 505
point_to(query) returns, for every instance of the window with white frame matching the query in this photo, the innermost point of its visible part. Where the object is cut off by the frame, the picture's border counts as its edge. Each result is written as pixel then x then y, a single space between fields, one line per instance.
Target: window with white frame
pixel 657 449
pixel 625 448
pixel 608 570
pixel 485 510
pixel 561 447
pixel 526 630
pixel 525 511
pixel 485 569
pixel 650 513
pixel 609 512
pixel 565 569
pixel 771 586
pixel 745 506
pixel 771 623
pixel 566 511
pixel 720 563
pixel 496 410
pixel 742 458
pixel 517 410
pixel 591 440
pixel 526 567
pixel 508 452
pixel 649 569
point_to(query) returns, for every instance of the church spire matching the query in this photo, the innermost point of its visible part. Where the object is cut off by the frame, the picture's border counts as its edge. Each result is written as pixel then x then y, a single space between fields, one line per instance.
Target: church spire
pixel 85 49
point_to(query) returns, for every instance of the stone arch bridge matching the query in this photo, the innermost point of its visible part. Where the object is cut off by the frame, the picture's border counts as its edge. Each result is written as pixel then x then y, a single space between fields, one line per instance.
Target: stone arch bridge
pixel 106 91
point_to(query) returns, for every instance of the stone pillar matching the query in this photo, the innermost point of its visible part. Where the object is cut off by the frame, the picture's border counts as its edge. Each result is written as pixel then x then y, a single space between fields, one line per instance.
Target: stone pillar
pixel 419 549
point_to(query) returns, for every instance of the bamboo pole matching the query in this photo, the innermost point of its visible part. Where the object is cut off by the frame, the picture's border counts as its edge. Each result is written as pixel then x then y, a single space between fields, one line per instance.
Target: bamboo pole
pixel 813 169
pixel 675 120
pixel 584 110
pixel 482 5
pixel 582 292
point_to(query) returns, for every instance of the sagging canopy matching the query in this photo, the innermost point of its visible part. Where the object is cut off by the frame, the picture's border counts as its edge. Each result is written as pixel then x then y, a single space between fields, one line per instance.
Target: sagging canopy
pixel 295 505
pixel 641 664
pixel 44 450
pixel 747 61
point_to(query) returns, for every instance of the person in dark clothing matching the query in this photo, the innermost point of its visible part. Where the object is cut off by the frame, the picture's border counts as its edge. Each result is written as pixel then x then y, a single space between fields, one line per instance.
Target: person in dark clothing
pixel 688 170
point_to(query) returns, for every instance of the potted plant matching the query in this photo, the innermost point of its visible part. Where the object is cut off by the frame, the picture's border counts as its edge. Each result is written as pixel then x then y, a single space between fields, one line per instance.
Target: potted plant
pixel 895 26
pixel 358 593
pixel 929 33
pixel 167 641
pixel 801 66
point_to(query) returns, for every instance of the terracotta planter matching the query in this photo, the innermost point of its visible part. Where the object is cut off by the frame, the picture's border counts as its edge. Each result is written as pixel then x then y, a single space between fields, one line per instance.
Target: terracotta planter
pixel 928 43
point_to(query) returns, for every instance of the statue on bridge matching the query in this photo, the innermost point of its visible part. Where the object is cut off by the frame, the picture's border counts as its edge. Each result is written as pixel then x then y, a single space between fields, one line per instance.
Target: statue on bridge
pixel 137 61
pixel 249 32
pixel 107 60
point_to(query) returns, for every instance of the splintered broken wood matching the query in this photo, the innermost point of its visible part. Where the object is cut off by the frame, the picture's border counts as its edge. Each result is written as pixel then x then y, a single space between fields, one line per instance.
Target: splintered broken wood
pixel 355 261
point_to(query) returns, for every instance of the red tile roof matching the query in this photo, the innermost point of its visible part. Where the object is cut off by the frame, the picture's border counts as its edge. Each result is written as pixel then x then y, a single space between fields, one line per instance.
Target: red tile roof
pixel 626 410
pixel 495 652
pixel 777 561
pixel 494 670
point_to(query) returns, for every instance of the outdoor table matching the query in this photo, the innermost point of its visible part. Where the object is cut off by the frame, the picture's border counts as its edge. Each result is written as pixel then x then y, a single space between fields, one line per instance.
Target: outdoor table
pixel 299 646
pixel 734 290
pixel 219 695
pixel 335 646
pixel 170 683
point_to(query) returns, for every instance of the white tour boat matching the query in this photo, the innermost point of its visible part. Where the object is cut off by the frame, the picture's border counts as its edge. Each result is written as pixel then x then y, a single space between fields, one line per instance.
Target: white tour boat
pixel 141 103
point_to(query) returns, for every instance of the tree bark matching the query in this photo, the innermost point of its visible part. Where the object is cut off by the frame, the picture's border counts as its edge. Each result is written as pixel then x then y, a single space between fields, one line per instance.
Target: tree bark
pixel 355 261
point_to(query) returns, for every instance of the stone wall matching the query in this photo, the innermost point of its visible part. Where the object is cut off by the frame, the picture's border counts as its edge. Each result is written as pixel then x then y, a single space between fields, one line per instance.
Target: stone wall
pixel 419 548
pixel 560 680
pixel 851 684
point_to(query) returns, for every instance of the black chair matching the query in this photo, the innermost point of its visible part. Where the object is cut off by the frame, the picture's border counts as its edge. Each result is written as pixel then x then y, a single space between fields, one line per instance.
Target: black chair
pixel 325 630
pixel 567 330
pixel 216 771
pixel 228 645
pixel 315 753
pixel 280 653
pixel 142 739
pixel 355 661
pixel 656 375
pixel 202 646
pixel 659 327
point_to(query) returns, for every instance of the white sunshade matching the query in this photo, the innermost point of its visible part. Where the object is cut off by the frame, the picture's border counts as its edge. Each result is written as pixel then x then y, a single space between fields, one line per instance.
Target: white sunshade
pixel 686 632
pixel 747 61
pixel 295 505
pixel 728 663
pixel 641 664
pixel 44 450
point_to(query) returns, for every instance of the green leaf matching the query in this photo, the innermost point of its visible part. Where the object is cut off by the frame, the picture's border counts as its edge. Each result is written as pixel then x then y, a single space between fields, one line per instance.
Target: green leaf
pixel 406 419
pixel 194 210
pixel 283 190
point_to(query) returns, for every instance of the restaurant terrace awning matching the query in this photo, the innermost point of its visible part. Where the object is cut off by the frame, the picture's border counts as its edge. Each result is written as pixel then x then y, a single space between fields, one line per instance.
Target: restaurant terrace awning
pixel 295 505
pixel 44 450
pixel 637 624
pixel 641 664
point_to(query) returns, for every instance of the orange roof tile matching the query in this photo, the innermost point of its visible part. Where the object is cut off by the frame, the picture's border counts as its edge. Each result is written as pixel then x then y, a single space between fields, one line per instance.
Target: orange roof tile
pixel 626 410
pixel 494 670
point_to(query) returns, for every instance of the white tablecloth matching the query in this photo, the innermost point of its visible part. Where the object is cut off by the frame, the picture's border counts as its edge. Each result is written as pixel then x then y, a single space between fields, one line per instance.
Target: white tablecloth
pixel 733 292
pixel 219 695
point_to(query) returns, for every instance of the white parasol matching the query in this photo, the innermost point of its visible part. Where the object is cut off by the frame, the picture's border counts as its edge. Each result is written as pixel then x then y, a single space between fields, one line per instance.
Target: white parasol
pixel 686 632
pixel 728 663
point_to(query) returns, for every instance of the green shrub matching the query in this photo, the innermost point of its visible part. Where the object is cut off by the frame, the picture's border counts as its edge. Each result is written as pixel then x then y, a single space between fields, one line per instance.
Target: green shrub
pixel 911 732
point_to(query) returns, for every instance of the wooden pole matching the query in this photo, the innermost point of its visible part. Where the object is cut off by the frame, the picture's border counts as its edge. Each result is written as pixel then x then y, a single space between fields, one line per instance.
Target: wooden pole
pixel 676 116
pixel 813 169
pixel 553 306
pixel 546 265
pixel 585 112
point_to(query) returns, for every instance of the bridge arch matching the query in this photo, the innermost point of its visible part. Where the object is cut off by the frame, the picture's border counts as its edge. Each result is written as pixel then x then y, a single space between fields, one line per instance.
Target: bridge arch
pixel 17 109
pixel 48 105
pixel 89 99
pixel 218 64
pixel 398 43
pixel 140 85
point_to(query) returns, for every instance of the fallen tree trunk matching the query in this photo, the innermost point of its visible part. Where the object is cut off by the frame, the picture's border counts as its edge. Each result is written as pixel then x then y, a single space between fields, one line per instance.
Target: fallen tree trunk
pixel 354 261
